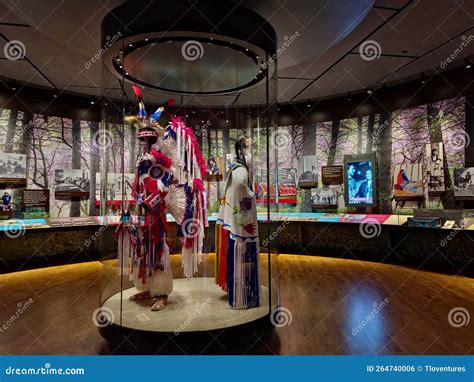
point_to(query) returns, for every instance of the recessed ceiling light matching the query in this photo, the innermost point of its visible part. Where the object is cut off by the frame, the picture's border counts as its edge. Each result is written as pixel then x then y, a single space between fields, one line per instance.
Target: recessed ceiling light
pixel 130 44
pixel 369 91
pixel 146 39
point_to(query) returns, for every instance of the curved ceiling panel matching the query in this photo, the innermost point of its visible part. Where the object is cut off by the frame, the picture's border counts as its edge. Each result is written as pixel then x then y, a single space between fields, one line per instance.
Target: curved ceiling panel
pixel 318 41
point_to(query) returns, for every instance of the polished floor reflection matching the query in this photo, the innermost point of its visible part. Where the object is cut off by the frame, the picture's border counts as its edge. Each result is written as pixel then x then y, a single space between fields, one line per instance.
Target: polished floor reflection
pixel 331 306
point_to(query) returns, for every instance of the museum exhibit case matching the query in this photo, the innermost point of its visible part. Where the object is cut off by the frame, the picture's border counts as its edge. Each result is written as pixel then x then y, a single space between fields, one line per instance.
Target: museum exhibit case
pixel 185 140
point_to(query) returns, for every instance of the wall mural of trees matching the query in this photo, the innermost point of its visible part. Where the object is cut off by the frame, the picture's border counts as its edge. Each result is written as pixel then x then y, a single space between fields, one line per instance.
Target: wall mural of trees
pixel 58 143
pixel 398 137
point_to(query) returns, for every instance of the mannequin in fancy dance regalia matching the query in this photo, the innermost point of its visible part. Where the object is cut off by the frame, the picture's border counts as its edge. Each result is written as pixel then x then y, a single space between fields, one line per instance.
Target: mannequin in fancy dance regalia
pixel 167 179
pixel 237 243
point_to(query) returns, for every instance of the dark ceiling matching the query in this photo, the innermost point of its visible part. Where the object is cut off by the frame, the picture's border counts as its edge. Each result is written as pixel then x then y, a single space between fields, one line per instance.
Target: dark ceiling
pixel 323 61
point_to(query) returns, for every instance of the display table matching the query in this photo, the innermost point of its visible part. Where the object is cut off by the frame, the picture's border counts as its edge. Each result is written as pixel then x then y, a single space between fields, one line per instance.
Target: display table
pixel 440 250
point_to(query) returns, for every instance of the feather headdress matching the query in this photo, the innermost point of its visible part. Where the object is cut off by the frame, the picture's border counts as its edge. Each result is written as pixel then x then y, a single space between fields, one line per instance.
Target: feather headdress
pixel 147 126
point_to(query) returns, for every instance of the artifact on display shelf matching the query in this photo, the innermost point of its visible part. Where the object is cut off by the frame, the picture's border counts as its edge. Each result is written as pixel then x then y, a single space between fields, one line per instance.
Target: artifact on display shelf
pixel 408 181
pixel 287 185
pixel 360 185
pixel 7 204
pixel 434 161
pixel 424 221
pixel 168 178
pixel 237 244
pixel 332 175
pixel 464 182
pixel 323 197
pixel 12 168
pixel 71 182
pixel 308 171
pixel 212 166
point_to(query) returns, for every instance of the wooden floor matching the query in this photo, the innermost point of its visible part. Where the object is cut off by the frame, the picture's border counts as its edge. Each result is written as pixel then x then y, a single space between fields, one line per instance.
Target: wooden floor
pixel 337 306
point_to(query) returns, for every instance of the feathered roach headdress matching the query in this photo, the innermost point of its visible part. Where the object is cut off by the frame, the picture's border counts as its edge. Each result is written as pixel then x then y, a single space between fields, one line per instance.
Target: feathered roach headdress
pixel 147 126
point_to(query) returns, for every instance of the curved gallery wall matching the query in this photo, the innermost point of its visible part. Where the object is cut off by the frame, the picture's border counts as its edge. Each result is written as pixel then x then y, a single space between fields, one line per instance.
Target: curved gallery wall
pixel 47 144
pixel 55 143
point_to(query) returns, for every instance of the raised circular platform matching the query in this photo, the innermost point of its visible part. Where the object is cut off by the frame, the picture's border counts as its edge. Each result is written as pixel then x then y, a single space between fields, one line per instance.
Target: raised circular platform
pixel 197 319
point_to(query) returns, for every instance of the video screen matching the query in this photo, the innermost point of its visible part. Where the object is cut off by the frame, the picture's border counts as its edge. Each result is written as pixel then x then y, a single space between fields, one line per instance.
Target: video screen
pixel 360 184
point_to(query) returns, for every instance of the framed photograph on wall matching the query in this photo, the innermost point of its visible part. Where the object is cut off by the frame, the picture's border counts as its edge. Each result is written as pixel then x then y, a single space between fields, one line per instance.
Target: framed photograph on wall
pixel 71 182
pixel 408 181
pixel 12 166
pixel 308 171
pixel 323 197
pixel 360 180
pixel 434 160
pixel 118 185
pixel 464 182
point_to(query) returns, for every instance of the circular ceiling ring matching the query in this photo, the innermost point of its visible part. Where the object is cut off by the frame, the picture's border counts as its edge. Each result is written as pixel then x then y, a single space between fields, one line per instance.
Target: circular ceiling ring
pixel 148 38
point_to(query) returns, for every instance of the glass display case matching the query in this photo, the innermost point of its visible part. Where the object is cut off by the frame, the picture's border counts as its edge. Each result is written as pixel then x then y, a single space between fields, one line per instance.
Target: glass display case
pixel 187 156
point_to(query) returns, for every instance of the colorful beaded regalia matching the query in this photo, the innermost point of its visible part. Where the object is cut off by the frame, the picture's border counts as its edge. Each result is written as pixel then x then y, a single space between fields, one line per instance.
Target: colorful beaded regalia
pixel 168 179
pixel 237 243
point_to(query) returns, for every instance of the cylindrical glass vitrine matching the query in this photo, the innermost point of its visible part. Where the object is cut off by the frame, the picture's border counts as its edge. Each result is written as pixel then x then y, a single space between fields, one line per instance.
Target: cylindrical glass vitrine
pixel 187 169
